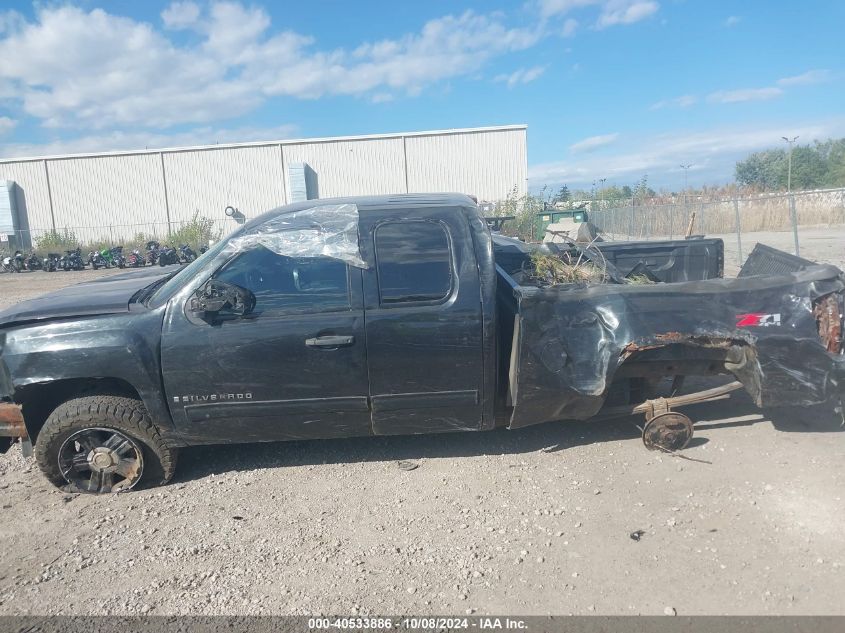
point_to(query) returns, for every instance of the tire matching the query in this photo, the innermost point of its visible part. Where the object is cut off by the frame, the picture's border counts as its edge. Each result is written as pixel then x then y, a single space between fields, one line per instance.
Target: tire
pixel 126 416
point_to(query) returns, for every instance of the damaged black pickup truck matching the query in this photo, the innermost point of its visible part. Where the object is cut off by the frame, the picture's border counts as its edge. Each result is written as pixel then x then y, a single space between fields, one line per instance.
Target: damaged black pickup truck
pixel 398 315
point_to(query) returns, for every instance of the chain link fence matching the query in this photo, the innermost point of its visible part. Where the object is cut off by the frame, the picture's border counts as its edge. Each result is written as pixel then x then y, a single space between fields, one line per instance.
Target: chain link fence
pixel 789 221
pixel 799 222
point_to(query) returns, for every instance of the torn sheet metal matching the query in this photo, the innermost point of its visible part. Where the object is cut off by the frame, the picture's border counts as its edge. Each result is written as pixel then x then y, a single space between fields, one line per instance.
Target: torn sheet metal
pixel 12 427
pixel 829 318
pixel 572 341
pixel 11 420
pixel 318 231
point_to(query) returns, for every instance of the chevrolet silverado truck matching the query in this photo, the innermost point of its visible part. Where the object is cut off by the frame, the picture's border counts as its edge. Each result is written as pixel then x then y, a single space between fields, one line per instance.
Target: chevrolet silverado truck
pixel 398 315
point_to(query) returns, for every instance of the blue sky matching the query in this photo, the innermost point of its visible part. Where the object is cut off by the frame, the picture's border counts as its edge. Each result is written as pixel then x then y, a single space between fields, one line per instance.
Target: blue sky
pixel 611 89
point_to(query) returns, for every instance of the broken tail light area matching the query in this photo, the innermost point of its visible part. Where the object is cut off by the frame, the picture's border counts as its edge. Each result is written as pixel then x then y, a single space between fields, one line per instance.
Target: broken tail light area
pixel 12 426
pixel 828 314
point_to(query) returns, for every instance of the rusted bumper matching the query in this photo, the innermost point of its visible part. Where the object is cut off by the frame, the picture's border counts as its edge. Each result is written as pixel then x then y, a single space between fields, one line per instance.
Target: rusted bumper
pixel 12 425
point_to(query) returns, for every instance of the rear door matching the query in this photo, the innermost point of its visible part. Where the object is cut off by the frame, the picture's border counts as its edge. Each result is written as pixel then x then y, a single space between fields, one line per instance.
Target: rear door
pixel 423 321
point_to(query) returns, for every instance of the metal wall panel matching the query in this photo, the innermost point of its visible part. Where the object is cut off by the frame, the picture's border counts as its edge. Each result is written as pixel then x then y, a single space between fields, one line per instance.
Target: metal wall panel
pixel 108 198
pixel 115 195
pixel 351 168
pixel 247 178
pixel 31 194
pixel 8 208
pixel 488 165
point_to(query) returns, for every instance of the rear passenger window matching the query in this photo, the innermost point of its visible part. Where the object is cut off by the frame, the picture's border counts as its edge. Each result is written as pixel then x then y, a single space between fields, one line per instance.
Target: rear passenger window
pixel 414 262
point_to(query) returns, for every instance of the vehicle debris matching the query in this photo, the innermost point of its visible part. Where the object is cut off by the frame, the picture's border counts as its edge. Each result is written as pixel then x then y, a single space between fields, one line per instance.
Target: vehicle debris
pixel 829 317
pixel 669 431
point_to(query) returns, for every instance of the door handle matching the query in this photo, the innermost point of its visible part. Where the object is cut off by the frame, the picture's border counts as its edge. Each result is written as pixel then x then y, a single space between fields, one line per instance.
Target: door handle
pixel 330 341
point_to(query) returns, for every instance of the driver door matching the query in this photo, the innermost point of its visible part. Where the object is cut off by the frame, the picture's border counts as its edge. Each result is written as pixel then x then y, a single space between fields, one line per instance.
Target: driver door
pixel 294 368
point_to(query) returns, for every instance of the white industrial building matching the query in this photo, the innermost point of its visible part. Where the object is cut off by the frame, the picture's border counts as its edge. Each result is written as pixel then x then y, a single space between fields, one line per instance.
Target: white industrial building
pixel 114 195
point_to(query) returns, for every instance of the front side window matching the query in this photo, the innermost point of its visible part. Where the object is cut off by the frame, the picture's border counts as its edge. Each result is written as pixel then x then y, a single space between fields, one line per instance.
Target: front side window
pixel 289 284
pixel 414 262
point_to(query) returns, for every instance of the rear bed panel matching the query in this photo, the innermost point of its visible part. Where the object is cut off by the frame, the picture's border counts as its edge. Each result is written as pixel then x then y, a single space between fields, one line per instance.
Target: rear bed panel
pixel 669 260
pixel 571 340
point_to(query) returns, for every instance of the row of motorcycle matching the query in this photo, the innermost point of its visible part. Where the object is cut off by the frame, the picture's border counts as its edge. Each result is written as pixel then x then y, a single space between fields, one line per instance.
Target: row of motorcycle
pixel 153 254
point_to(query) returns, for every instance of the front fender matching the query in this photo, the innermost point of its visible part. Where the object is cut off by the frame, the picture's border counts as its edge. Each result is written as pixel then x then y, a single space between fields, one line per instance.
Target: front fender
pixel 125 347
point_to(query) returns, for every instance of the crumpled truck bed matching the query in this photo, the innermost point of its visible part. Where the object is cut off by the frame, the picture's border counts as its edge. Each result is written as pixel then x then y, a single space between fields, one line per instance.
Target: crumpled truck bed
pixel 779 335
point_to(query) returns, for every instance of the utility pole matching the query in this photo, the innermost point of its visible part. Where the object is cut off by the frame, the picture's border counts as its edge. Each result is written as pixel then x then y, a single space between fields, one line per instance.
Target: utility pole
pixel 601 189
pixel 791 142
pixel 792 212
pixel 686 175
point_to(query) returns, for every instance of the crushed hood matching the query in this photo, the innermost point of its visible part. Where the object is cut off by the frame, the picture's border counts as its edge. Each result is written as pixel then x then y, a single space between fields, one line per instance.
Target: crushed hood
pixel 106 295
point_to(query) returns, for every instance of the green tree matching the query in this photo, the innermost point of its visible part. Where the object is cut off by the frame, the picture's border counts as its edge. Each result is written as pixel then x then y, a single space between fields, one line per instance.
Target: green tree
pixel 813 166
pixel 524 209
pixel 642 190
pixel 562 195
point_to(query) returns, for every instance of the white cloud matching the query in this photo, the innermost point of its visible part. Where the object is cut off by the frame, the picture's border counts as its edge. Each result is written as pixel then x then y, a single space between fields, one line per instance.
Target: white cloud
pixel 714 152
pixel 74 68
pixel 745 94
pixel 593 143
pixel 180 15
pixel 96 69
pixel 6 125
pixel 623 12
pixel 118 141
pixel 569 27
pixel 806 79
pixel 521 76
pixel 611 12
pixel 732 20
pixel 549 8
pixel 684 101
pixel 10 21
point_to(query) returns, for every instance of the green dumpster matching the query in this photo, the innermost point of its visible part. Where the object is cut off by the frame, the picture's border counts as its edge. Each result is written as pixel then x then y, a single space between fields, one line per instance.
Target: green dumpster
pixel 553 216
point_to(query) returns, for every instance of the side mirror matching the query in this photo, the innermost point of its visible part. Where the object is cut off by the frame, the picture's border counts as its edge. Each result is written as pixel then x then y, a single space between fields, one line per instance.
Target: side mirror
pixel 219 298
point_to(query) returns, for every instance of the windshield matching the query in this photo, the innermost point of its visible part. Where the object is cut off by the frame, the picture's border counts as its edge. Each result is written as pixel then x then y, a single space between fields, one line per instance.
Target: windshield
pixel 177 281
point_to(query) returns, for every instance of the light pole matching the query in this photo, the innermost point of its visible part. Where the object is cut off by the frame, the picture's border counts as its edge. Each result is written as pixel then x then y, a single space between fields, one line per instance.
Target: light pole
pixel 601 190
pixel 686 175
pixel 791 142
pixel 792 212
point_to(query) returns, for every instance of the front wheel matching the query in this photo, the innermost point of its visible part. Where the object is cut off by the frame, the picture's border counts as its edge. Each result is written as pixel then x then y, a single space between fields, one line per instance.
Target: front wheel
pixel 102 444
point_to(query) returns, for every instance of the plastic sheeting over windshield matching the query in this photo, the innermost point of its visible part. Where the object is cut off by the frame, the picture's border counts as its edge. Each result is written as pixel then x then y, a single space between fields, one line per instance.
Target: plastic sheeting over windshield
pixel 319 231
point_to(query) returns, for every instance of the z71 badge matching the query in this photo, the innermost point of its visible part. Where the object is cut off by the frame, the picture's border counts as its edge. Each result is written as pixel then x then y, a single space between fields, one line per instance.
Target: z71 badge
pixel 757 319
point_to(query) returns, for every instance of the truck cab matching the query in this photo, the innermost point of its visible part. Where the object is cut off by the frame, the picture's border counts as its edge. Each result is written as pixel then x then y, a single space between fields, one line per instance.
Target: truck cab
pixel 331 349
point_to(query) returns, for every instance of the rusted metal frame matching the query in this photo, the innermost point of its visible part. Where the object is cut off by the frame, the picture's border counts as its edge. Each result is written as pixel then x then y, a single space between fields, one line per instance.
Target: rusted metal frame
pixel 663 405
pixel 12 425
pixel 829 317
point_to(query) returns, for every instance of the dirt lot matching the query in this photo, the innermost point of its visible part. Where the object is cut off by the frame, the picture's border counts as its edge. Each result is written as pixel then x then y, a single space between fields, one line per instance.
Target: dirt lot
pixel 821 244
pixel 530 522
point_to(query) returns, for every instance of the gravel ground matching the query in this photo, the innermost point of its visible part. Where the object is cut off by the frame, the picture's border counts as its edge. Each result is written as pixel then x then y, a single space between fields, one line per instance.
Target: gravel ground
pixel 821 244
pixel 530 522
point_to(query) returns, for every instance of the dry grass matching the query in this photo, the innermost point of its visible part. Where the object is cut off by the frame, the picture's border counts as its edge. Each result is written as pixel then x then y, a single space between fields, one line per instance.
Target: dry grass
pixel 639 280
pixel 551 270
pixel 755 214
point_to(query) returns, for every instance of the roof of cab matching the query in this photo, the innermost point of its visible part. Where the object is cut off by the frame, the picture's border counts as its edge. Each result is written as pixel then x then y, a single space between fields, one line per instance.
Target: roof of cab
pixel 383 203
